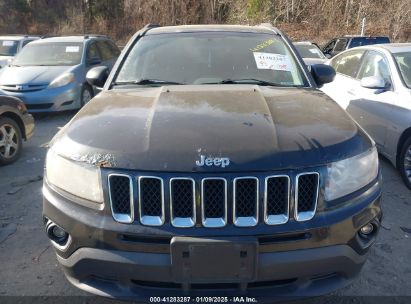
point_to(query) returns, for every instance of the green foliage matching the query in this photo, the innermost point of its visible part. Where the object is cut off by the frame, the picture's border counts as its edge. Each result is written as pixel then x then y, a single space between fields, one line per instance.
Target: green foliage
pixel 318 20
pixel 254 7
pixel 108 9
pixel 20 6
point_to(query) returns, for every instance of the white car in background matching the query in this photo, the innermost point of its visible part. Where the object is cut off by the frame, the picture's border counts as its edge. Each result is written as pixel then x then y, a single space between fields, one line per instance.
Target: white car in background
pixel 11 45
pixel 310 52
pixel 373 83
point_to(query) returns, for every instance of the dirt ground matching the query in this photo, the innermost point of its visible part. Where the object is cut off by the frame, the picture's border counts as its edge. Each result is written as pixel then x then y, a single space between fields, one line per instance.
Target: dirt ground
pixel 28 265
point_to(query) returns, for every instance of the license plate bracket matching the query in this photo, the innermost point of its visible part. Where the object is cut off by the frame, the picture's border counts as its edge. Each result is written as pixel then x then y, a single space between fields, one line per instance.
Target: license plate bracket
pixel 213 260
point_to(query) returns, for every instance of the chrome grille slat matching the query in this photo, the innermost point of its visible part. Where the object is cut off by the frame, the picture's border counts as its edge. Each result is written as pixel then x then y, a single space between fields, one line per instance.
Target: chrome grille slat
pixel 245 211
pixel 214 199
pixel 214 202
pixel 276 199
pixel 182 202
pixel 151 200
pixel 306 195
pixel 121 196
pixel 23 88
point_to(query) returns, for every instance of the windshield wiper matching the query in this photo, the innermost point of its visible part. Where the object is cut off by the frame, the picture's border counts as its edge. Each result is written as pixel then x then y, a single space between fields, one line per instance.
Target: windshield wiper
pixel 148 82
pixel 245 81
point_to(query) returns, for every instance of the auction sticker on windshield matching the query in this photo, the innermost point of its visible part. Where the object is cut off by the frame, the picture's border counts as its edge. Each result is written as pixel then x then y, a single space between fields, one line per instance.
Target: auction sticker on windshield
pixel 8 43
pixel 72 49
pixel 270 61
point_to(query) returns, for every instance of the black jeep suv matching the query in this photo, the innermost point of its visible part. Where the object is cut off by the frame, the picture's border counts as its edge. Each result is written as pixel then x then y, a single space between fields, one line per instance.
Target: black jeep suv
pixel 211 164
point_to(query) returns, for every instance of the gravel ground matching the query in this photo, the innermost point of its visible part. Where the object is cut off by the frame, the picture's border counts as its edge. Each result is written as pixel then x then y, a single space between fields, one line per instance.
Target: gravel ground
pixel 28 264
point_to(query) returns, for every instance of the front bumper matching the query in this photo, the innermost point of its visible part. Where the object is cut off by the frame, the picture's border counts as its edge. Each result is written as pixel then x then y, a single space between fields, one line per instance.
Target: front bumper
pixel 28 122
pixel 132 261
pixel 138 276
pixel 50 100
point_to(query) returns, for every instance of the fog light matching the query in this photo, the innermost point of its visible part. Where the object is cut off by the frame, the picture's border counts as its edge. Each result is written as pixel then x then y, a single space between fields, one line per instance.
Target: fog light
pixel 58 232
pixel 367 229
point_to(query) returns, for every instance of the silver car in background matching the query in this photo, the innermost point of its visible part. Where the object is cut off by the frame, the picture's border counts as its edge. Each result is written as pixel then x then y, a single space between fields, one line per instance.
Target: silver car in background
pixel 373 84
pixel 310 52
pixel 49 75
pixel 11 45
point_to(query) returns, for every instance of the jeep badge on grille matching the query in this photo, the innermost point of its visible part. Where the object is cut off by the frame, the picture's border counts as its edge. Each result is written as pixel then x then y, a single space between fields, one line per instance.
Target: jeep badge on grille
pixel 213 161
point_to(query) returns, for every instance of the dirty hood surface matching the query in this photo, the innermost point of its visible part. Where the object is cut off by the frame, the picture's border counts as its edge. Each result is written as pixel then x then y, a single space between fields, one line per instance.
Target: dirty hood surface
pixel 169 128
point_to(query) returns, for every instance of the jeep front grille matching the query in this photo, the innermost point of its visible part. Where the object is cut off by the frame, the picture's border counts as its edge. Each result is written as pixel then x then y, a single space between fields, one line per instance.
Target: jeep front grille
pixel 121 197
pixel 276 199
pixel 208 201
pixel 182 202
pixel 151 200
pixel 306 196
pixel 245 203
pixel 214 202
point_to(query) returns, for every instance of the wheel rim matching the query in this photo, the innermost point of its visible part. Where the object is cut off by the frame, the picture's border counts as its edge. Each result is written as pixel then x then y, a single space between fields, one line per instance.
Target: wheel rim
pixel 8 141
pixel 407 163
pixel 86 96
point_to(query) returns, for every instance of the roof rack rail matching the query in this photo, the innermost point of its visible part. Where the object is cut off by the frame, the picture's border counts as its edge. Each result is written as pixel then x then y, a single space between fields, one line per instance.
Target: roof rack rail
pixel 271 27
pixel 303 42
pixel 95 35
pixel 23 35
pixel 353 36
pixel 151 25
pixel 48 36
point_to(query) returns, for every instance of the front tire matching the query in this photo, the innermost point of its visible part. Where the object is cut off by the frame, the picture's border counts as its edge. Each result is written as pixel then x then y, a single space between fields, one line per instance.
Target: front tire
pixel 86 95
pixel 10 141
pixel 404 162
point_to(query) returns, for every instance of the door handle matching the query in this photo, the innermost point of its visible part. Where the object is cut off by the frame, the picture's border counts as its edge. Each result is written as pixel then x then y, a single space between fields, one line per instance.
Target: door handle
pixel 351 92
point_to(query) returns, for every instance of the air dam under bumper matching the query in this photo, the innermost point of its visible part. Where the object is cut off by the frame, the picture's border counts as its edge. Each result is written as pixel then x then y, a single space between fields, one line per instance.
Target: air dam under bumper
pixel 296 259
pixel 138 276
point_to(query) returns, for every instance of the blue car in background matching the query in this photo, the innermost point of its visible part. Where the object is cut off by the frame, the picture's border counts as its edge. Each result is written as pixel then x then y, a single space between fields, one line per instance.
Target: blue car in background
pixel 49 75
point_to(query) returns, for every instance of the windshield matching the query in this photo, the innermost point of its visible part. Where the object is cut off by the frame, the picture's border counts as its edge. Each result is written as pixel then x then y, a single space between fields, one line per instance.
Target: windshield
pixel 53 53
pixel 211 57
pixel 8 47
pixel 404 65
pixel 309 51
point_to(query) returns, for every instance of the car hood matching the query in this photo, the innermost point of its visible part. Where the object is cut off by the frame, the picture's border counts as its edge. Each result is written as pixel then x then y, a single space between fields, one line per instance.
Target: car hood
pixel 15 75
pixel 170 128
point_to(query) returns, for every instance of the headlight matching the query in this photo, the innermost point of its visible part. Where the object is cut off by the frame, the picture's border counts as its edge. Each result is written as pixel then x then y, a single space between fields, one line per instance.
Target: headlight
pixel 80 179
pixel 349 175
pixel 62 80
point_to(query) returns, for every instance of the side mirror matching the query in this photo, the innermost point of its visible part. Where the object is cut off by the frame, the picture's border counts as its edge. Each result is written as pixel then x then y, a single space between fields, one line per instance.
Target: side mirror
pixel 373 82
pixel 97 76
pixel 322 73
pixel 94 61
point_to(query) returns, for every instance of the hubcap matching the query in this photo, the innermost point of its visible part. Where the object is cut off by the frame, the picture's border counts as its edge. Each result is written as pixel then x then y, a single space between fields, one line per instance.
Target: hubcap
pixel 86 96
pixel 407 163
pixel 8 141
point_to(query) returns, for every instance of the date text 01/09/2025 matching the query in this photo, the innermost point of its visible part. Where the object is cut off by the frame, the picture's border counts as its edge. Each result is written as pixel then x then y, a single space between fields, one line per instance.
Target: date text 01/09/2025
pixel 209 299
